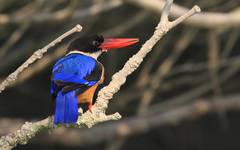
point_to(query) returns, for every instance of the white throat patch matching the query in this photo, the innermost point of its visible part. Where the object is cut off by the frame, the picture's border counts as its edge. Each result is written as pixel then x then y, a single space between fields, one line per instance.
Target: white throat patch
pixel 95 55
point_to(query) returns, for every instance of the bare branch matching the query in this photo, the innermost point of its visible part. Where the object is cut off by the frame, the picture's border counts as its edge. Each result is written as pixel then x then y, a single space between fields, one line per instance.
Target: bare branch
pixel 194 10
pixel 36 55
pixel 204 19
pixel 23 135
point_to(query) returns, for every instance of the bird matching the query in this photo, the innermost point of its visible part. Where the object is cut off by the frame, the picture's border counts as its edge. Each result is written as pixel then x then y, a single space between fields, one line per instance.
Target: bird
pixel 76 76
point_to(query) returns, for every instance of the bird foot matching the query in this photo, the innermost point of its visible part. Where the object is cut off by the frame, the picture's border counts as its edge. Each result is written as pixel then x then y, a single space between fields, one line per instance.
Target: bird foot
pixel 90 107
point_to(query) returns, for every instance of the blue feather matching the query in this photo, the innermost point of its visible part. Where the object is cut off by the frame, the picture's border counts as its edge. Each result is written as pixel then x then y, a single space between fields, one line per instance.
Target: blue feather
pixel 65 77
pixel 73 68
pixel 66 108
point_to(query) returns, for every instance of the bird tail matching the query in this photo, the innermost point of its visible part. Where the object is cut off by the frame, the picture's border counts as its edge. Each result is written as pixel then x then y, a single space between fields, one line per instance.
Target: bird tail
pixel 66 108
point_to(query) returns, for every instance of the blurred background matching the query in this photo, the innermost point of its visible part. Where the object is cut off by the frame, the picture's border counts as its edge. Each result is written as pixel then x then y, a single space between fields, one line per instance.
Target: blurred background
pixel 164 104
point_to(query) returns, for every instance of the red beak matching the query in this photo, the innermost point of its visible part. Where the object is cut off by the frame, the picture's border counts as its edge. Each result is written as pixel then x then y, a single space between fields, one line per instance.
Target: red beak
pixel 117 43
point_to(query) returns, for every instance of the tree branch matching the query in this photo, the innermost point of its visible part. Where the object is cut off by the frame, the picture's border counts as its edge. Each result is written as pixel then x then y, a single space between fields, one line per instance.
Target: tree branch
pixel 36 55
pixel 23 135
pixel 204 19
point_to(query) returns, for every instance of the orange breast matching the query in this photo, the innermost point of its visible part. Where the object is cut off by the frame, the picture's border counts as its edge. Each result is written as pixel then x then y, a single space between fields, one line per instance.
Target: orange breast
pixel 87 96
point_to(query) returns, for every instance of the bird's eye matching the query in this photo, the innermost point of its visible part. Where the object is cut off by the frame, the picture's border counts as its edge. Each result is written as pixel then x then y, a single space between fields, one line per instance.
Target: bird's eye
pixel 95 43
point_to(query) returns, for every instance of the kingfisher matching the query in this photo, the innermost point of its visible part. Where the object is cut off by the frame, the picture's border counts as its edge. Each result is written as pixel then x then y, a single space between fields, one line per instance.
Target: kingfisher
pixel 76 76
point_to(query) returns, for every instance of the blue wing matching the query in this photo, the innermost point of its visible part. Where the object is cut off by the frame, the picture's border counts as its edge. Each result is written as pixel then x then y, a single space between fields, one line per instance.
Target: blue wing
pixel 72 72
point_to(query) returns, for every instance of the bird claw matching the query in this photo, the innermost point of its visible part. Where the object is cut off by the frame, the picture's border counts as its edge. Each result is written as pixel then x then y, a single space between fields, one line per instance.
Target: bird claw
pixel 90 107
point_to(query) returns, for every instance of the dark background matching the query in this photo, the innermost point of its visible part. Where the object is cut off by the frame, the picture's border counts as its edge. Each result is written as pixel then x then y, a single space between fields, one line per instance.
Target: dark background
pixel 200 56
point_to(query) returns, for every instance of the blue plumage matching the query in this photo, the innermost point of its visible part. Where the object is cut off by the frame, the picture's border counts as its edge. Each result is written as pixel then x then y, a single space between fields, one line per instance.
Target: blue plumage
pixel 71 69
pixel 66 108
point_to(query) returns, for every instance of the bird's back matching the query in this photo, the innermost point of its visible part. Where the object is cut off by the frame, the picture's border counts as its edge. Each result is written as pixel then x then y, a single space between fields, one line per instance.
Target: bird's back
pixel 74 65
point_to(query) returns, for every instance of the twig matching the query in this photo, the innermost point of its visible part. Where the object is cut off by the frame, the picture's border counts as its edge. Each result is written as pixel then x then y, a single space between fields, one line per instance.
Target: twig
pixel 40 65
pixel 204 19
pixel 98 111
pixel 36 55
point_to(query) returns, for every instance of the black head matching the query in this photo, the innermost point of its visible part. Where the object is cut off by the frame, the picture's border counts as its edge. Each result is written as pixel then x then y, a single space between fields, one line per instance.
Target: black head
pixel 86 44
